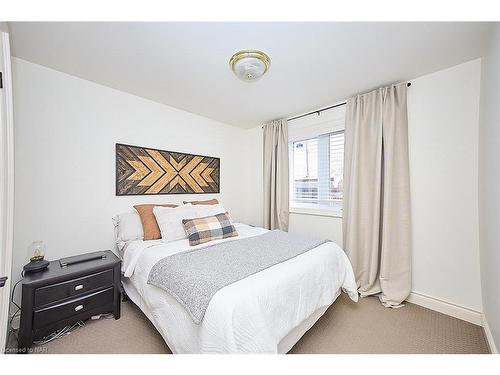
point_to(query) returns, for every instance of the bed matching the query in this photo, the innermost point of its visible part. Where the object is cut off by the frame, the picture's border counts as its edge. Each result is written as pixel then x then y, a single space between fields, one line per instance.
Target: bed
pixel 267 312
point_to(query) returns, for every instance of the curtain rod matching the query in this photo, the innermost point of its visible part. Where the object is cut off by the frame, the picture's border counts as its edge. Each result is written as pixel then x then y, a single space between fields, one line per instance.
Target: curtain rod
pixel 324 109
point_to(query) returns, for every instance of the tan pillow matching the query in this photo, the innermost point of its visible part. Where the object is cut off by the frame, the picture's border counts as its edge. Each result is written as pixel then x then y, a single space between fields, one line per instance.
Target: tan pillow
pixel 207 202
pixel 148 220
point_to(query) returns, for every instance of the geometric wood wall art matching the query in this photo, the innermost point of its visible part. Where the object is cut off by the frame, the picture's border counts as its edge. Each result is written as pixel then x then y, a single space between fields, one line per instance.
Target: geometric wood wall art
pixel 148 171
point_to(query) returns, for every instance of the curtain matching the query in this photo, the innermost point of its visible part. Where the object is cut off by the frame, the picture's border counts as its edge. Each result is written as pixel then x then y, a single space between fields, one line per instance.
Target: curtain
pixel 276 196
pixel 376 212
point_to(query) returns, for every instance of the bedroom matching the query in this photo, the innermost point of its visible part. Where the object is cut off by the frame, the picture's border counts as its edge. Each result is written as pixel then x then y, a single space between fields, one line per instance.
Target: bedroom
pixel 372 162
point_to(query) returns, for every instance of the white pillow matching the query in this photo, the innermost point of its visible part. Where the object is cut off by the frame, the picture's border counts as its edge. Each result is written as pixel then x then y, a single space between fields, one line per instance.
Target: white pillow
pixel 170 221
pixel 128 227
pixel 209 209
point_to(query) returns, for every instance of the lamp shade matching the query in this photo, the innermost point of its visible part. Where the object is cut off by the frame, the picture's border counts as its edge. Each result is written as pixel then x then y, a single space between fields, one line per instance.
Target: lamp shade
pixel 36 250
pixel 36 253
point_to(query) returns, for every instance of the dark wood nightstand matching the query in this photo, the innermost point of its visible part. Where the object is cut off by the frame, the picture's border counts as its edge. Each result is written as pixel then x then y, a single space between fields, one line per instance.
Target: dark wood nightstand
pixel 61 296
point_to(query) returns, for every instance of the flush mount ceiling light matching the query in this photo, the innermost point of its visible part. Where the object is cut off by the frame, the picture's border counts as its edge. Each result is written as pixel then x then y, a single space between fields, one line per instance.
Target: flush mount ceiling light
pixel 249 65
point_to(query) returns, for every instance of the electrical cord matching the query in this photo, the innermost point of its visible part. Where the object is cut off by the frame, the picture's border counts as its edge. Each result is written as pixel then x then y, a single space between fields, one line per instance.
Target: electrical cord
pixel 14 290
pixel 14 302
pixel 102 316
pixel 69 329
pixel 59 333
pixel 12 320
pixel 13 330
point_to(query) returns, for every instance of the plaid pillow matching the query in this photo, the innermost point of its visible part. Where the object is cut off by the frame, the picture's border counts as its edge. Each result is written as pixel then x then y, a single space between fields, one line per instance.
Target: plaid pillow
pixel 209 228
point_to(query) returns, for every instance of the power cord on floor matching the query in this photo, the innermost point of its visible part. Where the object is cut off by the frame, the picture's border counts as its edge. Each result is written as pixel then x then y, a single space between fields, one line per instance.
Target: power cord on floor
pixel 102 316
pixel 59 333
pixel 69 329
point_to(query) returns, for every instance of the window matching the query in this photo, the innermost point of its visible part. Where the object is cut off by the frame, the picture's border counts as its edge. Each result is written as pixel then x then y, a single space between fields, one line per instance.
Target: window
pixel 317 171
pixel 317 166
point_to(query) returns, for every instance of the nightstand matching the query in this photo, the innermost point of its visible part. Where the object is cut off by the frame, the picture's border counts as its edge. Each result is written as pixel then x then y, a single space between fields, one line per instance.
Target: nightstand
pixel 61 296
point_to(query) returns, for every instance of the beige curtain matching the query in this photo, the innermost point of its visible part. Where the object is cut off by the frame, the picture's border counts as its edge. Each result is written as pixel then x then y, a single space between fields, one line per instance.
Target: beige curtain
pixel 376 212
pixel 276 197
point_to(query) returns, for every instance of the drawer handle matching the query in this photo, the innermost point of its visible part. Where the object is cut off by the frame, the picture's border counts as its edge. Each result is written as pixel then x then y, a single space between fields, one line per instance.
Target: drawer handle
pixel 78 308
pixel 79 287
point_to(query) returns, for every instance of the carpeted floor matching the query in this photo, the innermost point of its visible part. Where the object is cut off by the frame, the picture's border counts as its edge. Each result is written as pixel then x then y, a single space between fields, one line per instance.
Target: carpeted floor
pixel 346 327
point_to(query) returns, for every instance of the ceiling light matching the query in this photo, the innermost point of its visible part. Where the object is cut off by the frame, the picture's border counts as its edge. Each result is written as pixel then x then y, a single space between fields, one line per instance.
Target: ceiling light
pixel 249 65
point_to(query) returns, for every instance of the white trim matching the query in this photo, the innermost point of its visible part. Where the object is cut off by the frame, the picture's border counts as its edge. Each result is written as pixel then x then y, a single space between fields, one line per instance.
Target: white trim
pixel 330 212
pixel 489 336
pixel 325 122
pixel 7 187
pixel 447 308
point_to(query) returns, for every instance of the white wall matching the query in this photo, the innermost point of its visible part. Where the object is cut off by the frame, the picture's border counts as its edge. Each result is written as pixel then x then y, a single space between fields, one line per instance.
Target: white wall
pixel 315 225
pixel 443 131
pixel 443 113
pixel 252 174
pixel 65 134
pixel 489 185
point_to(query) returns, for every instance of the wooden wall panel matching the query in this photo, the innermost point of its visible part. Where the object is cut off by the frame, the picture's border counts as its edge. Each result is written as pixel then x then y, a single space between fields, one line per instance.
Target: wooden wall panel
pixel 148 171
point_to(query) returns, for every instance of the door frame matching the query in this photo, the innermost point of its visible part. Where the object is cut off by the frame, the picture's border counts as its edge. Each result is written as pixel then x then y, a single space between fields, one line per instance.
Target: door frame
pixel 6 184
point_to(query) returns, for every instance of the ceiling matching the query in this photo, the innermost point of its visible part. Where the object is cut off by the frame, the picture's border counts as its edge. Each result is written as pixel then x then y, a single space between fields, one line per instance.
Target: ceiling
pixel 185 65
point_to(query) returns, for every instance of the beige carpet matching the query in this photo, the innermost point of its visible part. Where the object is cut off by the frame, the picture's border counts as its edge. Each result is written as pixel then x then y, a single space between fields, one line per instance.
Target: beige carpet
pixel 347 327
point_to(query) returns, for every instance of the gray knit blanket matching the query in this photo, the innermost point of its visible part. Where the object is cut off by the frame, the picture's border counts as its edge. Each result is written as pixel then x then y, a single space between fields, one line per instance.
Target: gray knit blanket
pixel 193 277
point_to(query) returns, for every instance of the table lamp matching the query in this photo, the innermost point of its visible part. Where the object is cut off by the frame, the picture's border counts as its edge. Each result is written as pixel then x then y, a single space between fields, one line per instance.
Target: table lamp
pixel 36 253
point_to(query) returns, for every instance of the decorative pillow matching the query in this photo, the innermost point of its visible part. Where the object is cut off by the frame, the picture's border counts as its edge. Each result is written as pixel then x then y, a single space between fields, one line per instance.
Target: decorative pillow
pixel 205 229
pixel 128 227
pixel 148 220
pixel 170 221
pixel 206 202
pixel 209 210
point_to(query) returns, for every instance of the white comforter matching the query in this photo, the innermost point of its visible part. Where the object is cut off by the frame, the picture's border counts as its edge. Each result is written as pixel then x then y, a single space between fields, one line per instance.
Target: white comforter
pixel 250 316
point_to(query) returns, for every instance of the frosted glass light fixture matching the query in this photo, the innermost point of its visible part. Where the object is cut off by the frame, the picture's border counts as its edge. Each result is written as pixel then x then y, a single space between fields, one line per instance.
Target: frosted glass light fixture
pixel 249 65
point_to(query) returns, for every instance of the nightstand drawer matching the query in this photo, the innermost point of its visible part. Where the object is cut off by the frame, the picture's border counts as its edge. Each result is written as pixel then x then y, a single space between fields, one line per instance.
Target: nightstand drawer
pixel 57 292
pixel 72 307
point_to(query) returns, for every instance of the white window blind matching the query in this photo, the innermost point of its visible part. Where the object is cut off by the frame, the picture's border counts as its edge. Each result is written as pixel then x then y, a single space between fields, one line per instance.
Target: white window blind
pixel 336 166
pixel 305 170
pixel 317 162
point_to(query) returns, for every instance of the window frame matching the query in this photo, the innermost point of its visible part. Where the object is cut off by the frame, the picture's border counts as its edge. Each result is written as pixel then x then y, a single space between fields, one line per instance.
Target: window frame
pixel 325 123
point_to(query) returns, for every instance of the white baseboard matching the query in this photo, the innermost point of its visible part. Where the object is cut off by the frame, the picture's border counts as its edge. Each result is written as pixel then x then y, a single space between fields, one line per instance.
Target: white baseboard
pixel 447 308
pixel 489 337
